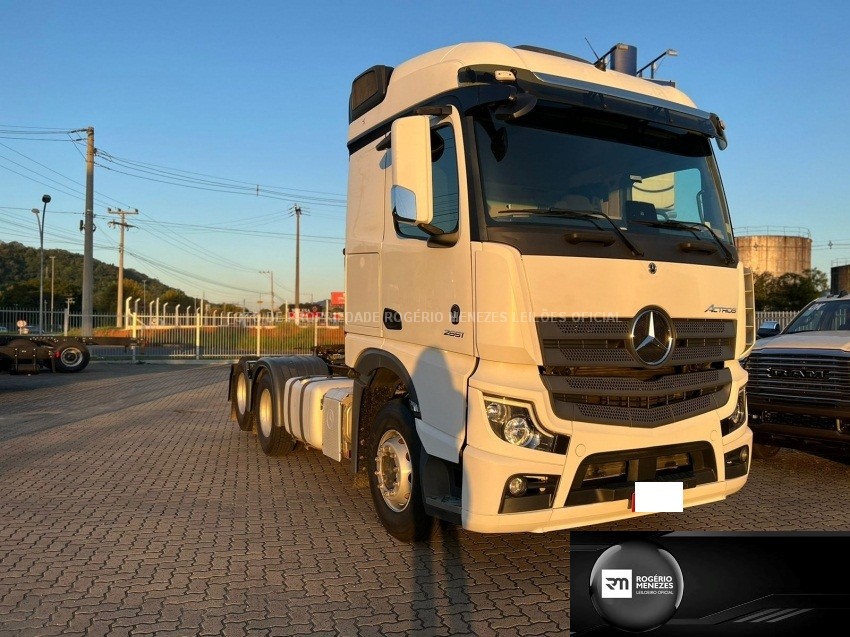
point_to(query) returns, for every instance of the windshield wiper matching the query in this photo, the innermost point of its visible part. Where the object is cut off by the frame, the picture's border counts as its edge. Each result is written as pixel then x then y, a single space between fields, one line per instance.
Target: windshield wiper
pixel 693 228
pixel 591 215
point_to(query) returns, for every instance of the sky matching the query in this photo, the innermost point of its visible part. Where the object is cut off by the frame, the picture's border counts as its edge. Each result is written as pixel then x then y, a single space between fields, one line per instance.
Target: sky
pixel 241 99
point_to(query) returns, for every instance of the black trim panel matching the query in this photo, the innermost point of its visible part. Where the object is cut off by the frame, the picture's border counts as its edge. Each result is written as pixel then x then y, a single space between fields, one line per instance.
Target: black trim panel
pixel 641 466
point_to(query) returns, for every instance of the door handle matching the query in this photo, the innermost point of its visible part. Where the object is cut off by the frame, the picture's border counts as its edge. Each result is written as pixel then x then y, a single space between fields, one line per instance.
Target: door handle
pixel 392 319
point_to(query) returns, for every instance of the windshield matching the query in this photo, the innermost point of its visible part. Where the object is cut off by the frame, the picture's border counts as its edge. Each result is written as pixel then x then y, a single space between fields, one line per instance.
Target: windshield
pixel 822 316
pixel 656 183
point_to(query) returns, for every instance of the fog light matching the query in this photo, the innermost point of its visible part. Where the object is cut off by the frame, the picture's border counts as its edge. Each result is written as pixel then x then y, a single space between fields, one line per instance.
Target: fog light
pixel 528 493
pixel 517 486
pixel 518 431
pixel 737 462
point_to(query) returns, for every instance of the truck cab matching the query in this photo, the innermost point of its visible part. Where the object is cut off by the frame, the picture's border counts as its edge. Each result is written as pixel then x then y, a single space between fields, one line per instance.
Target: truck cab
pixel 540 255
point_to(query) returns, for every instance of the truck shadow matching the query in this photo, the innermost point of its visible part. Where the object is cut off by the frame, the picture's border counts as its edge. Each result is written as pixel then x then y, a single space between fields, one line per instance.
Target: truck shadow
pixel 488 584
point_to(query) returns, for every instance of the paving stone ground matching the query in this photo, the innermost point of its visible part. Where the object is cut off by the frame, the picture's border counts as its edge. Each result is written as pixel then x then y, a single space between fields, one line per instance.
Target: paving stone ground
pixel 130 504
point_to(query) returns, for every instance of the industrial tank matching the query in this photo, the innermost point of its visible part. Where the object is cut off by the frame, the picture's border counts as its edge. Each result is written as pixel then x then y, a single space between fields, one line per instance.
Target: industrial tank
pixel 840 277
pixel 775 250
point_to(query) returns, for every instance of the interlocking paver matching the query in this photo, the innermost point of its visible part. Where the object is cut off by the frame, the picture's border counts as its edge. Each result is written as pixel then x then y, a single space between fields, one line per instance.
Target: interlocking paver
pixel 130 504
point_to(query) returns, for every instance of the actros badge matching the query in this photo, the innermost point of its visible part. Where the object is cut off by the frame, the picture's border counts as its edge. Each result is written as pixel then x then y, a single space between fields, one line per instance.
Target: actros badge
pixel 636 585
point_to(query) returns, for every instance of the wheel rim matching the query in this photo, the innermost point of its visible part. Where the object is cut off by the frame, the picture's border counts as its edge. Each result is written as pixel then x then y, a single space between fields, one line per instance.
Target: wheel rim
pixel 266 417
pixel 71 357
pixel 241 393
pixel 394 471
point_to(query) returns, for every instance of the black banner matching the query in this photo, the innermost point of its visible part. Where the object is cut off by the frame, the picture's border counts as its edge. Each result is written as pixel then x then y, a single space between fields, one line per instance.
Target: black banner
pixel 697 584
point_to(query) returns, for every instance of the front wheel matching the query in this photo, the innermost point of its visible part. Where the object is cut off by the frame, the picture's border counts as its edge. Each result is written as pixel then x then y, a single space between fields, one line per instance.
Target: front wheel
pixel 71 357
pixel 394 481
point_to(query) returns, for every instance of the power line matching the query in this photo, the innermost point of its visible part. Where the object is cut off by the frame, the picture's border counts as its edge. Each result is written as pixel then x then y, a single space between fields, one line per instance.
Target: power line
pixel 219 179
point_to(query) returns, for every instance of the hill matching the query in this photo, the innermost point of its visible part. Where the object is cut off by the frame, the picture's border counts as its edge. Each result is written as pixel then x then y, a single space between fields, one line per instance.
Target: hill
pixel 19 281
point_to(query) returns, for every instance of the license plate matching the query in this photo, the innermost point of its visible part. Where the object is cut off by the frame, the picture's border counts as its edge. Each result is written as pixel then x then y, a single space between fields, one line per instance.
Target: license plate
pixel 658 497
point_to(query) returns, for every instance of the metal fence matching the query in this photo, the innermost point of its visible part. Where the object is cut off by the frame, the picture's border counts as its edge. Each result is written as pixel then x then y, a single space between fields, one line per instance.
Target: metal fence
pixel 190 336
pixel 217 336
pixel 783 317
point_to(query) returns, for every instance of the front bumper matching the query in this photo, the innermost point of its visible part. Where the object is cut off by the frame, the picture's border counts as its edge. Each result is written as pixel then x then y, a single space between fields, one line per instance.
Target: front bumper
pixel 489 463
pixel 827 434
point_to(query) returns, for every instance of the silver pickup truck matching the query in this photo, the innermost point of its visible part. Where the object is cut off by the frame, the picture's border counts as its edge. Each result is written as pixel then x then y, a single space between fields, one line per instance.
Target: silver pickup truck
pixel 799 386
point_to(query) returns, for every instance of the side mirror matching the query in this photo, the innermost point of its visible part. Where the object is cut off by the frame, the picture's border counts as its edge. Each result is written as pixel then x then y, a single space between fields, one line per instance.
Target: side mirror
pixel 768 329
pixel 411 193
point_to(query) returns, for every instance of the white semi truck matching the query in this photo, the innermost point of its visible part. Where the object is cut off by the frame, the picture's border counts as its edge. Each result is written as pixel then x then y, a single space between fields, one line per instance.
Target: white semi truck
pixel 545 305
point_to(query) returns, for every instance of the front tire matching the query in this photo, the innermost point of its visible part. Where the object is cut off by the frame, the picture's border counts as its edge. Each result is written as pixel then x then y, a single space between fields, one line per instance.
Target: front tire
pixel 394 480
pixel 274 440
pixel 71 357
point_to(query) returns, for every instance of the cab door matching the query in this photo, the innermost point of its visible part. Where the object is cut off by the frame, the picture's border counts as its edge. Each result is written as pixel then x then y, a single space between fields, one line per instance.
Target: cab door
pixel 426 292
pixel 427 280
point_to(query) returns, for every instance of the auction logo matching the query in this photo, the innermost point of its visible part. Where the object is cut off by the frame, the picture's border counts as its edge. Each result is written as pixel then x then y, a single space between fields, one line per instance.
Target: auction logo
pixel 616 582
pixel 636 585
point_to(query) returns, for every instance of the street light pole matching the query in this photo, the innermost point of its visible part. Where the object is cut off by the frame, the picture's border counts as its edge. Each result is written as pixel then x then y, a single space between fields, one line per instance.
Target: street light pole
pixel 40 219
pixel 52 277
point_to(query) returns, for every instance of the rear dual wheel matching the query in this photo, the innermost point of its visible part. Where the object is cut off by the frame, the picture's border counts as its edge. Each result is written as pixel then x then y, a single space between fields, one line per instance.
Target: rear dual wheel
pixel 274 439
pixel 244 416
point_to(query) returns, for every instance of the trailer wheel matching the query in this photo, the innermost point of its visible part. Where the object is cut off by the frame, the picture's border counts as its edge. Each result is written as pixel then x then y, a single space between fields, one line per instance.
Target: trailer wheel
pixel 71 357
pixel 393 465
pixel 244 415
pixel 274 440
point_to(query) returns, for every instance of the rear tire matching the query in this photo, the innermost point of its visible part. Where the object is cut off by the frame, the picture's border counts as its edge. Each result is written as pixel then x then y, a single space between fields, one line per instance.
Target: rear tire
pixel 394 480
pixel 71 357
pixel 274 440
pixel 765 452
pixel 244 415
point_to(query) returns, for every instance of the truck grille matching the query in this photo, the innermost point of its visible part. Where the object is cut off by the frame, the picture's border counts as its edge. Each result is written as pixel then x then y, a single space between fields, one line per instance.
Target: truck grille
pixel 802 378
pixel 592 376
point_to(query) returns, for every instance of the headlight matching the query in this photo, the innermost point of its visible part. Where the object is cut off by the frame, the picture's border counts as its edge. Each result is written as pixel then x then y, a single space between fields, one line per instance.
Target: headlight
pixel 512 422
pixel 519 431
pixel 738 416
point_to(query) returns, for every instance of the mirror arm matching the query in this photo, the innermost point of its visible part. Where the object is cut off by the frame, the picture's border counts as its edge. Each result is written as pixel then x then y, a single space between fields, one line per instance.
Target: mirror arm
pixel 443 239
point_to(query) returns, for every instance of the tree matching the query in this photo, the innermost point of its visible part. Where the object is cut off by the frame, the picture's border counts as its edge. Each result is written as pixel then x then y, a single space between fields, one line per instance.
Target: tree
pixel 23 294
pixel 789 291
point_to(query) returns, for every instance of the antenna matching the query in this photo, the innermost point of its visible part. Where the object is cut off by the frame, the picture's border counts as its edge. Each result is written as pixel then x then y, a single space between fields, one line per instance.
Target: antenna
pixel 592 50
pixel 600 61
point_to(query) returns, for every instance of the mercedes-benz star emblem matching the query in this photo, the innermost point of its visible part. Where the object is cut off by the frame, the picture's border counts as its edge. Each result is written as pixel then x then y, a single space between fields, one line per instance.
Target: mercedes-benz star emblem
pixel 651 337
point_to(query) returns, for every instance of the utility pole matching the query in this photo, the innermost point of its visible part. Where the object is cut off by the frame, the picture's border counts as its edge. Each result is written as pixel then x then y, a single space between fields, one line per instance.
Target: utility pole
pixel 271 274
pixel 88 243
pixel 297 262
pixel 123 225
